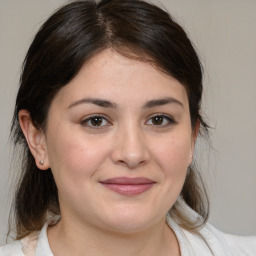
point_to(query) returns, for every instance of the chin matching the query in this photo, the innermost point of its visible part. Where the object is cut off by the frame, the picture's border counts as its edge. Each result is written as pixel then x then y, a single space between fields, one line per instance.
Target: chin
pixel 129 227
pixel 128 222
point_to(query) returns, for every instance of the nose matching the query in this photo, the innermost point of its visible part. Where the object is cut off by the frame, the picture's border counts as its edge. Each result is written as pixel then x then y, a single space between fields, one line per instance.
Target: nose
pixel 130 148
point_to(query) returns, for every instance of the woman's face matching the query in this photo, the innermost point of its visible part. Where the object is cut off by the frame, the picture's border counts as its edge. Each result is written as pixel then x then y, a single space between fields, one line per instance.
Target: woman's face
pixel 118 142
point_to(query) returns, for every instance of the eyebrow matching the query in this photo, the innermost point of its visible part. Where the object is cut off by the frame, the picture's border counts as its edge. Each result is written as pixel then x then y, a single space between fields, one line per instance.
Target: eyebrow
pixel 161 102
pixel 108 104
pixel 95 101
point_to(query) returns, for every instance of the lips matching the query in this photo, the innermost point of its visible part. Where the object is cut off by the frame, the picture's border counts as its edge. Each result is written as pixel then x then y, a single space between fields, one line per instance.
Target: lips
pixel 128 186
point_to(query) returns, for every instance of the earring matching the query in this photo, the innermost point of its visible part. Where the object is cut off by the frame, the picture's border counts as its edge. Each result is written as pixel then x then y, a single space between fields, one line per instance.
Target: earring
pixel 41 162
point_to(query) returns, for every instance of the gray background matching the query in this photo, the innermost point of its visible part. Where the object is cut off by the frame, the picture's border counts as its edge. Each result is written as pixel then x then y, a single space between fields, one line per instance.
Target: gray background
pixel 224 34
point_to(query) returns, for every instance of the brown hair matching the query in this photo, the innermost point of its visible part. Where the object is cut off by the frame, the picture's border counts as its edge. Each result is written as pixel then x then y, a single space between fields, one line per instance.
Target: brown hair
pixel 71 36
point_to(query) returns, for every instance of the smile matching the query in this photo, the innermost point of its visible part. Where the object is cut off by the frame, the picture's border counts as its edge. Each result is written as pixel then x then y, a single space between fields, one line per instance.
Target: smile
pixel 128 186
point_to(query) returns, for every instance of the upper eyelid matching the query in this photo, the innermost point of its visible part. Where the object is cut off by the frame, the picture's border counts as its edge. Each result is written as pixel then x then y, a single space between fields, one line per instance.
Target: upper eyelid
pixel 163 115
pixel 159 114
pixel 95 115
pixel 88 118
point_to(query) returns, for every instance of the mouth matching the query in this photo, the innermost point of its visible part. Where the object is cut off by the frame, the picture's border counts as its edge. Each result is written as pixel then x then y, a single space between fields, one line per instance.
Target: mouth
pixel 128 186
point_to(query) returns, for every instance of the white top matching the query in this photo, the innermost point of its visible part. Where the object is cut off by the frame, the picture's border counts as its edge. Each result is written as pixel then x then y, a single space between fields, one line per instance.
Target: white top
pixel 190 244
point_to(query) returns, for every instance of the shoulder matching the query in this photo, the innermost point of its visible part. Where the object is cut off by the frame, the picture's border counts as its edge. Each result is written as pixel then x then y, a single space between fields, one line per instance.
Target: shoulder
pixel 209 239
pixel 12 249
pixel 23 247
pixel 206 241
pixel 34 244
pixel 232 244
pixel 241 245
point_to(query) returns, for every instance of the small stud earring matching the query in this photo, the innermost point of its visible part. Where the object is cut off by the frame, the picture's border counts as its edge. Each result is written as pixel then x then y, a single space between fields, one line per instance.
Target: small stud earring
pixel 41 162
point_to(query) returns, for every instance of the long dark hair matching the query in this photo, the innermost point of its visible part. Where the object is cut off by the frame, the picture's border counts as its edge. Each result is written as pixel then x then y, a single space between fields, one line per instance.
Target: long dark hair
pixel 71 36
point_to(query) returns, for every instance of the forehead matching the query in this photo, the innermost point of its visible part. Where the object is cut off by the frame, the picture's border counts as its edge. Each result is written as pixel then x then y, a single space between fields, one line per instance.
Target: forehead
pixel 110 75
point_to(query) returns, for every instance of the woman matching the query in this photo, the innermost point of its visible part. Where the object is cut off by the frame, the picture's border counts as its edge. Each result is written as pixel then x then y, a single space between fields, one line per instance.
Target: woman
pixel 108 113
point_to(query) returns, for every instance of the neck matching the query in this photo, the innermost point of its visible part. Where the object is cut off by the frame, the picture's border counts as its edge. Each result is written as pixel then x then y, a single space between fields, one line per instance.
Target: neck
pixel 67 238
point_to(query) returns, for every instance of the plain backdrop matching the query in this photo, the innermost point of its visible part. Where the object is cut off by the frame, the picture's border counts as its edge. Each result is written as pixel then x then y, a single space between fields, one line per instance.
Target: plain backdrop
pixel 224 34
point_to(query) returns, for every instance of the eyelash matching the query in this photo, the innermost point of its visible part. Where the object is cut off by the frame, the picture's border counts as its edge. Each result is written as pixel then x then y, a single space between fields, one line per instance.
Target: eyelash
pixel 169 119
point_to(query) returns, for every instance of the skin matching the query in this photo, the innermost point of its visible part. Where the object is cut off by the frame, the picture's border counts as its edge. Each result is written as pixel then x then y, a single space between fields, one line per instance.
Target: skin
pixel 129 142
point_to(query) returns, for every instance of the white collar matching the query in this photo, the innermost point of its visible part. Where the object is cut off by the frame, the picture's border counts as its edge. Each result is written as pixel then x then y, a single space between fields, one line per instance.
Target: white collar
pixel 43 247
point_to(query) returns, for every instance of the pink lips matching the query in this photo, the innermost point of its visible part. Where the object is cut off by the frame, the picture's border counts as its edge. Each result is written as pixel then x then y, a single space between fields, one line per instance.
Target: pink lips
pixel 128 186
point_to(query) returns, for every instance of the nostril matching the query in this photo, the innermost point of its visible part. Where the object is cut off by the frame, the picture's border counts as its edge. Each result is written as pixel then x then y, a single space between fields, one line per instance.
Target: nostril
pixel 131 163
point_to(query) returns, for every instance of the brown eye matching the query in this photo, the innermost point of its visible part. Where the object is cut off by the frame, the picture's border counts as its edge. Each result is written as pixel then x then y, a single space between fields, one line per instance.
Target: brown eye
pixel 157 120
pixel 96 121
pixel 161 120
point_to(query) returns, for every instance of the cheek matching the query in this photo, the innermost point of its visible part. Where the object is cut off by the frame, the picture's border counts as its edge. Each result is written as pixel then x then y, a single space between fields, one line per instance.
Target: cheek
pixel 73 156
pixel 172 158
pixel 172 154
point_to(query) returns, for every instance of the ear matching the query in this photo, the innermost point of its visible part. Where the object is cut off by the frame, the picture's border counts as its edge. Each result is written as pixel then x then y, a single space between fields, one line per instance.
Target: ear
pixel 36 140
pixel 195 132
